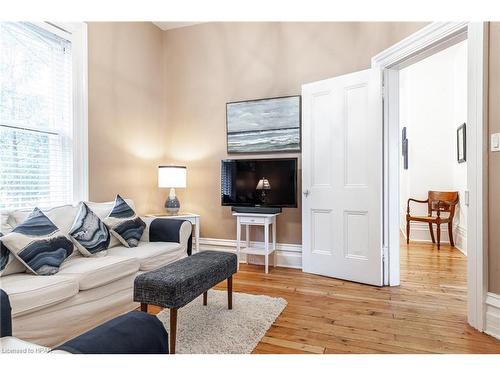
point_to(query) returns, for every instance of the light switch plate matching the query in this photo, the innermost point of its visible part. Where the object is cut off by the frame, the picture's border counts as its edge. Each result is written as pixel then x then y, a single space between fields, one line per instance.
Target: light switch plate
pixel 495 142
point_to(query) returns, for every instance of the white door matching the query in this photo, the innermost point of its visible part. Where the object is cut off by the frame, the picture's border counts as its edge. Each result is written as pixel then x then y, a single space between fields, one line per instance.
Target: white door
pixel 342 177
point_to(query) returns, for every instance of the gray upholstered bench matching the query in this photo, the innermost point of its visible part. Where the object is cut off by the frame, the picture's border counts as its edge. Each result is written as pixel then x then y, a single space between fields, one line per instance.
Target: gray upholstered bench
pixel 178 283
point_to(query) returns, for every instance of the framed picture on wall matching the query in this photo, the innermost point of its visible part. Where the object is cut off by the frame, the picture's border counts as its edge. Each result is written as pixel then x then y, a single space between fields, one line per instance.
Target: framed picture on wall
pixel 461 144
pixel 405 154
pixel 404 148
pixel 403 137
pixel 264 125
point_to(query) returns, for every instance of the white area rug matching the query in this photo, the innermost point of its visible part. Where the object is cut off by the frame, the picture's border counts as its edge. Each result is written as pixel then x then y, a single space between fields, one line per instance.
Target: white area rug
pixel 213 329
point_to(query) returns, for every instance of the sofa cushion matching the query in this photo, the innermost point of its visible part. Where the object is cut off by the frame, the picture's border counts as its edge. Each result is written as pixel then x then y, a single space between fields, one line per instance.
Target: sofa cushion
pixel 103 209
pixel 5 226
pixel 89 233
pixel 61 216
pixel 124 224
pixel 92 272
pixel 9 264
pixel 28 293
pixel 39 244
pixel 151 255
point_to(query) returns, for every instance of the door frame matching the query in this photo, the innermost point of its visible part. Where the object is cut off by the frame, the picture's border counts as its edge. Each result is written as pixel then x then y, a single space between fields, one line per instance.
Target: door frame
pixel 425 42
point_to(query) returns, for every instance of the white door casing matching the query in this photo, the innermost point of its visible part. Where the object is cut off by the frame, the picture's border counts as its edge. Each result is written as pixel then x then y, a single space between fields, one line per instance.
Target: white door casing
pixel 342 177
pixel 428 40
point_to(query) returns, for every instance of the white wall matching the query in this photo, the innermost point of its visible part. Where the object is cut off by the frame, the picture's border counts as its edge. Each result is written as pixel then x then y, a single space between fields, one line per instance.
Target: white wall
pixel 433 103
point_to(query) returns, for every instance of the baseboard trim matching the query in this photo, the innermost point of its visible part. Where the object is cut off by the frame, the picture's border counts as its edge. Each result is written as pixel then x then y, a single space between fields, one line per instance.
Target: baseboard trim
pixel 493 315
pixel 287 255
pixel 420 233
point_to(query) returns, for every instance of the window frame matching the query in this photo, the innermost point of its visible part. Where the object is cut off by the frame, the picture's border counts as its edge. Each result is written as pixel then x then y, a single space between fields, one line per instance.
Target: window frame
pixel 76 33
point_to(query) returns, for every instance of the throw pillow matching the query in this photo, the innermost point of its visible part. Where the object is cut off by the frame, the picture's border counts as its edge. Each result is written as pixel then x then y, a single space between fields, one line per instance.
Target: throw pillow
pixel 124 224
pixel 38 244
pixel 88 232
pixel 8 262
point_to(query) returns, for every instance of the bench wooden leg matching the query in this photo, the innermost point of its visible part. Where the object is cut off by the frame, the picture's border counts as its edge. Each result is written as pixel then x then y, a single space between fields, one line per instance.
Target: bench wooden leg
pixel 173 329
pixel 205 298
pixel 230 293
pixel 144 307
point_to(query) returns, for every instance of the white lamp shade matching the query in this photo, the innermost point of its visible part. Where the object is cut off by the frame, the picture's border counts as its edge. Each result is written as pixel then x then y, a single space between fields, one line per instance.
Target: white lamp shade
pixel 171 177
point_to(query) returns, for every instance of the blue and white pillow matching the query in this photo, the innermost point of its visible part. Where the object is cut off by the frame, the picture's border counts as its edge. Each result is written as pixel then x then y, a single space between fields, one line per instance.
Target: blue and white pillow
pixel 8 262
pixel 124 224
pixel 38 244
pixel 89 233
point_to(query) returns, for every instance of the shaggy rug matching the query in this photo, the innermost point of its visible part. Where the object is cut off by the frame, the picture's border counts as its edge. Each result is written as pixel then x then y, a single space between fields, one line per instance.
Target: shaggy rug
pixel 213 329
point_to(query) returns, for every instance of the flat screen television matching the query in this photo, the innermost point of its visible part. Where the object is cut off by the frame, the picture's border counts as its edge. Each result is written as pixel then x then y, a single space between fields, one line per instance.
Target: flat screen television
pixel 259 182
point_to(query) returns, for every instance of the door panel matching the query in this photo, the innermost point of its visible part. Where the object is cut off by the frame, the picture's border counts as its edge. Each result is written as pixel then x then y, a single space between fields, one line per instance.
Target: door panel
pixel 322 138
pixel 342 177
pixel 355 123
pixel 322 224
pixel 356 234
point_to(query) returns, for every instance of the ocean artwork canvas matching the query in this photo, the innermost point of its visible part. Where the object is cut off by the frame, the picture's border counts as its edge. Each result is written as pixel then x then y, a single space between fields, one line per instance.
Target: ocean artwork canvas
pixel 264 125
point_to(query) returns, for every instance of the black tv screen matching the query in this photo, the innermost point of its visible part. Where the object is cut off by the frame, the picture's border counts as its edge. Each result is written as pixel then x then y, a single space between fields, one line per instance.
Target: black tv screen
pixel 259 182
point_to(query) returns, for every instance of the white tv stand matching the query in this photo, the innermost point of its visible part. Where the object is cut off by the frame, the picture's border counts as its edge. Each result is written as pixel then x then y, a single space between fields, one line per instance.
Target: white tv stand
pixel 265 220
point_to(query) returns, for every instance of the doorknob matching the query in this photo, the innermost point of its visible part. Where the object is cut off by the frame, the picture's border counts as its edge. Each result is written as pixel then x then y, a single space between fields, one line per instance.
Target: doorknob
pixel 306 192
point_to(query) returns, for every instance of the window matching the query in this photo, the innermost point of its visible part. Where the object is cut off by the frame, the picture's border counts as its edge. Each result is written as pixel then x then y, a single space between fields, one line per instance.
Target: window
pixel 40 160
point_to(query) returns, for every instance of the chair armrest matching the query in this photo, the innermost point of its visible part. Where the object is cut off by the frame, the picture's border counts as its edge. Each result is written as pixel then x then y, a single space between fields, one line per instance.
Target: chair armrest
pixel 414 200
pixel 133 333
pixel 169 230
pixel 5 315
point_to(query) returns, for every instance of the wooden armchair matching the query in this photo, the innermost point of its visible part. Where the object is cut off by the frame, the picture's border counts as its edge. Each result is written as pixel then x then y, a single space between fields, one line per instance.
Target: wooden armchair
pixel 439 202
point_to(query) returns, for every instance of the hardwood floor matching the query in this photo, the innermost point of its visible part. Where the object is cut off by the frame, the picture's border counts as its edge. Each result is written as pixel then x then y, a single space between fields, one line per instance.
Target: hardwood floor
pixel 426 314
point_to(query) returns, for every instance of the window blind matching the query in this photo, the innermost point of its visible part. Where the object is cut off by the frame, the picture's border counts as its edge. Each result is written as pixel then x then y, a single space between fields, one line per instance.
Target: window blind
pixel 36 127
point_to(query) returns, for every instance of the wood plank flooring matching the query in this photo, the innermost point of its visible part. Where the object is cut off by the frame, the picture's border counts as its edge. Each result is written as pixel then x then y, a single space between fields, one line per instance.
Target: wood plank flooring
pixel 426 314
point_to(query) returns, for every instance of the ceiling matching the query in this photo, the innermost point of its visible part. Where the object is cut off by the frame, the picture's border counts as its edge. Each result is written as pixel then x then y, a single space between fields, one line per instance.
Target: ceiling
pixel 174 25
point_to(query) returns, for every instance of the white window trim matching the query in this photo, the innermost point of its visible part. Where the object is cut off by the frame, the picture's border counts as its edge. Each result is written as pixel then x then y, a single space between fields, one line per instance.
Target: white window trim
pixel 76 33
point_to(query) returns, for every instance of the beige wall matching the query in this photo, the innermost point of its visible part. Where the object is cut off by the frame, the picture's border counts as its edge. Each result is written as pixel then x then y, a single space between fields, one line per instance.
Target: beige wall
pixel 494 160
pixel 127 127
pixel 159 97
pixel 210 64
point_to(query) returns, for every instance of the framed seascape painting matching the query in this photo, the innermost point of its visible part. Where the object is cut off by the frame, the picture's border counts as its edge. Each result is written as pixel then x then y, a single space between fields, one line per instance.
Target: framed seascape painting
pixel 264 125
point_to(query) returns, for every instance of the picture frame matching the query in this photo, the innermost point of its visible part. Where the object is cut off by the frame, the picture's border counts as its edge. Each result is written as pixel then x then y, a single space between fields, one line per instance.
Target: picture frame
pixel 404 148
pixel 264 126
pixel 405 154
pixel 403 137
pixel 461 144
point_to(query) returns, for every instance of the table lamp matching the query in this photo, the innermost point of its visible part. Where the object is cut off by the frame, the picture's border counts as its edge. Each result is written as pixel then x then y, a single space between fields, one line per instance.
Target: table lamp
pixel 172 176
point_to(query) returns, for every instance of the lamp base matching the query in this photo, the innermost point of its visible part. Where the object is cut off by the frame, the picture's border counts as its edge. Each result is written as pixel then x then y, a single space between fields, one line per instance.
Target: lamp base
pixel 172 205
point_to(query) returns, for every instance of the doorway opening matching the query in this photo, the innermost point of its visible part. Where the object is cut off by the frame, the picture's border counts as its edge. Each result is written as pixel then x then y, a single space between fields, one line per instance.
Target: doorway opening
pixel 433 172
pixel 430 40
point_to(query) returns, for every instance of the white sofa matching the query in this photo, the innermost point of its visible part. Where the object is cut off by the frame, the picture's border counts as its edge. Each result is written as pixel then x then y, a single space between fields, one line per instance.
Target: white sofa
pixel 87 291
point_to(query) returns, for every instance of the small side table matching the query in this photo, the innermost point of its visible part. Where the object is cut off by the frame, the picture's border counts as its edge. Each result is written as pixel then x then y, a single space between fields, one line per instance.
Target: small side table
pixel 265 220
pixel 194 219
